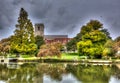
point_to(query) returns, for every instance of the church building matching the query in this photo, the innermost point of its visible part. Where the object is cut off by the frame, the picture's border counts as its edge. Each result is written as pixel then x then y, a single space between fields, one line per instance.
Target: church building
pixel 39 30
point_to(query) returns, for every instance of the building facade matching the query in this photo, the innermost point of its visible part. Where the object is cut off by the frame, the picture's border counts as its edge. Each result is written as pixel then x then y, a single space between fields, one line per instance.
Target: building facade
pixel 57 38
pixel 39 30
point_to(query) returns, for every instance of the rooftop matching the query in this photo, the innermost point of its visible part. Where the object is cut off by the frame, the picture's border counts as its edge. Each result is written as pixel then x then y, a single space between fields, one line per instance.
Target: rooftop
pixel 55 36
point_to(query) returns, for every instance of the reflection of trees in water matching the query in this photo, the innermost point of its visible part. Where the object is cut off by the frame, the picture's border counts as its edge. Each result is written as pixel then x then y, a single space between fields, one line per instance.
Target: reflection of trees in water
pixel 33 73
pixel 22 75
pixel 55 71
pixel 3 72
pixel 91 73
pixel 116 71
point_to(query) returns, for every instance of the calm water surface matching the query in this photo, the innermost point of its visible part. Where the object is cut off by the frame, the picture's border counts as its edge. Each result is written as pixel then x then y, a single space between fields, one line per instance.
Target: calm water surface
pixel 59 73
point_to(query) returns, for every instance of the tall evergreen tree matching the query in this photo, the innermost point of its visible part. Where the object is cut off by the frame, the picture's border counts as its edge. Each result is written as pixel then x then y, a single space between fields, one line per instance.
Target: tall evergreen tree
pixel 23 40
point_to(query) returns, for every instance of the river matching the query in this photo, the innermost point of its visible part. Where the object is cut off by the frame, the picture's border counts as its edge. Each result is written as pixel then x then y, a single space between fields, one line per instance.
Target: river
pixel 59 73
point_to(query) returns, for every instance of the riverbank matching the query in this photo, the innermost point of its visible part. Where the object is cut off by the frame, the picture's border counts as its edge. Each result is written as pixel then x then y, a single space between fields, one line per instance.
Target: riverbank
pixel 65 57
pixel 58 60
pixel 49 60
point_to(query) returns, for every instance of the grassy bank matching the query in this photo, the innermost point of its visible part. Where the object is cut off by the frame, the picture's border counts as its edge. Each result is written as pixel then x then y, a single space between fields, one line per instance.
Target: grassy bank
pixel 64 56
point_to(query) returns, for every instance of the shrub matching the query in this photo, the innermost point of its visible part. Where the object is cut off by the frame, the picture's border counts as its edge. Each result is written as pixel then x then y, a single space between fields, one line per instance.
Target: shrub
pixel 52 49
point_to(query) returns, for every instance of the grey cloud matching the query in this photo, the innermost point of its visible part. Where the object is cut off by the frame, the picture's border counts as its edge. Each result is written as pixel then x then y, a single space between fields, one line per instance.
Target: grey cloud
pixel 41 12
pixel 6 18
pixel 62 11
pixel 62 16
pixel 16 2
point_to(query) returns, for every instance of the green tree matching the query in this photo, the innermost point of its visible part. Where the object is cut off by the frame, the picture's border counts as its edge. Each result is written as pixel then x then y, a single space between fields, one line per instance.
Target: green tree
pixel 93 40
pixel 71 45
pixel 108 49
pixel 105 31
pixel 39 41
pixel 23 40
pixel 95 24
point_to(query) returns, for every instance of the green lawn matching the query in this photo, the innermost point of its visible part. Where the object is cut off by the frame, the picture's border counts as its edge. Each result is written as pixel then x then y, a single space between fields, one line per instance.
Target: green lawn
pixel 68 56
pixel 64 56
pixel 21 56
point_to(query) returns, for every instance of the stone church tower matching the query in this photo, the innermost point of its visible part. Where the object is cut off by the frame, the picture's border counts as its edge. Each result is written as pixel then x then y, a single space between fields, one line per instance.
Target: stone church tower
pixel 39 29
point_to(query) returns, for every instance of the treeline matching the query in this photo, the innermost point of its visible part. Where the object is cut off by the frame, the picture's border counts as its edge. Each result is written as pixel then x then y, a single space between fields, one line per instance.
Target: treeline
pixel 94 41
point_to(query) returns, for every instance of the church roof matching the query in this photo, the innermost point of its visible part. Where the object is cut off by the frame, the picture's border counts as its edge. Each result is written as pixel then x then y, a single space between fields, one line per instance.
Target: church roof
pixel 55 36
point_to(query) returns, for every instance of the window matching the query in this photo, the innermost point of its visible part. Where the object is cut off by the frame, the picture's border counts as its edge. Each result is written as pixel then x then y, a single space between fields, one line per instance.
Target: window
pixel 38 28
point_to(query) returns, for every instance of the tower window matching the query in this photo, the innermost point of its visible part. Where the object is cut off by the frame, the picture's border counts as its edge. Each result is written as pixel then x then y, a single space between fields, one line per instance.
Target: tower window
pixel 38 28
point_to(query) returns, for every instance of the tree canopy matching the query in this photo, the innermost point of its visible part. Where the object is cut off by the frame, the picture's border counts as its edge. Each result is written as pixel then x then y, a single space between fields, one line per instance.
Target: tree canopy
pixel 5 46
pixel 71 45
pixel 93 40
pixel 23 40
pixel 39 41
pixel 52 49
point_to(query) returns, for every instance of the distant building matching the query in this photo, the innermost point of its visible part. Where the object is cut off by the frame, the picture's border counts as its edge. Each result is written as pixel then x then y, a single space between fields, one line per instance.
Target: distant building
pixel 56 38
pixel 39 30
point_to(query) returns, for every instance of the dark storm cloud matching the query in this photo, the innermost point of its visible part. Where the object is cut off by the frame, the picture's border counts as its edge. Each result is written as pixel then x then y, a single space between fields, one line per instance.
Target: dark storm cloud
pixel 40 8
pixel 16 2
pixel 5 14
pixel 61 11
pixel 61 16
pixel 6 17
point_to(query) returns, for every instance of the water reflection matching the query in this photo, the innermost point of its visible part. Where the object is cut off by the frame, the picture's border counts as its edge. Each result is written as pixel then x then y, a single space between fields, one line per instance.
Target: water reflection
pixel 59 73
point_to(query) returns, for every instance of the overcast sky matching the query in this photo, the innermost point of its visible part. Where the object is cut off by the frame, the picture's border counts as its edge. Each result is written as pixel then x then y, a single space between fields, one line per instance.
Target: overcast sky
pixel 61 16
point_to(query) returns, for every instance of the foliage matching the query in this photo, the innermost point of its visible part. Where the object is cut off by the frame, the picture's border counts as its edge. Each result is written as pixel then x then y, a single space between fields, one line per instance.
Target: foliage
pixel 39 41
pixel 117 39
pixel 93 40
pixel 52 49
pixel 94 26
pixel 23 40
pixel 108 50
pixel 116 47
pixel 71 45
pixel 105 31
pixel 5 46
pixel 1 47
